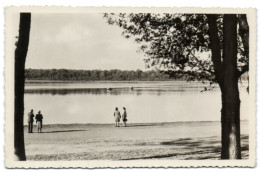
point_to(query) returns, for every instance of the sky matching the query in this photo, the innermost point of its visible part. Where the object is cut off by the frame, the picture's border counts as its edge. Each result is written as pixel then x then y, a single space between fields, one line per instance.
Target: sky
pixel 80 41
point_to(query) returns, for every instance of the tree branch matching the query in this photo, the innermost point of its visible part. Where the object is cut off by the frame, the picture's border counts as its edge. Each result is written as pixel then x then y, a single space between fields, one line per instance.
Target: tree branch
pixel 215 46
pixel 200 63
pixel 244 33
pixel 244 69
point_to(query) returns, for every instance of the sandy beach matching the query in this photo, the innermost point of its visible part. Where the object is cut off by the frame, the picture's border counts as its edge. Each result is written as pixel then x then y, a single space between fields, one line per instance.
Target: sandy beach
pixel 179 140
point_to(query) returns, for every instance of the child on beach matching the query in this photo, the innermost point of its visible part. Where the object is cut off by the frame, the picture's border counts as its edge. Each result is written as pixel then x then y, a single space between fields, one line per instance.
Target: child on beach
pixel 117 117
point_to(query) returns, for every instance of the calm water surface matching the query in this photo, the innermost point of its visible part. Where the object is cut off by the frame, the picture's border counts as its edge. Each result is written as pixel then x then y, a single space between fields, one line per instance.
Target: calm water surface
pixel 146 102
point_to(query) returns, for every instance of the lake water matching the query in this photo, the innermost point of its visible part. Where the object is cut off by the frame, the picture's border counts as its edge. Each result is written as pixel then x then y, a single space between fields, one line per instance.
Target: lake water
pixel 146 102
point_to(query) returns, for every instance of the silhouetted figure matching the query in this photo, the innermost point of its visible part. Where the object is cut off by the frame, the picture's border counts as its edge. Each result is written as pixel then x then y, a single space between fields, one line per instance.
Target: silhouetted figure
pixel 30 121
pixel 124 116
pixel 39 118
pixel 117 117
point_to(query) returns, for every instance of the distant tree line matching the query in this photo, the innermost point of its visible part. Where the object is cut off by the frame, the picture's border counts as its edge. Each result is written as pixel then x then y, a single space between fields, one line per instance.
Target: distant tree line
pixel 103 75
pixel 94 75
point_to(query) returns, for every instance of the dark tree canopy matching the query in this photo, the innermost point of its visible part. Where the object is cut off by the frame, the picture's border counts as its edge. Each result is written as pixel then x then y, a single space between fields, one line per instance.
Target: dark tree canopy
pixel 209 47
pixel 178 42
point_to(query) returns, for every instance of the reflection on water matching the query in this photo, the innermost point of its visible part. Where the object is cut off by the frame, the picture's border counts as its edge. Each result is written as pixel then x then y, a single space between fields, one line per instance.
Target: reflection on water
pixel 113 91
pixel 113 88
pixel 121 84
pixel 145 102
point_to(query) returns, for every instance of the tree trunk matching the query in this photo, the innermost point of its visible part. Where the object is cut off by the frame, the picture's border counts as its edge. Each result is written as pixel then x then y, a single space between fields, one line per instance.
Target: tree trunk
pixel 20 56
pixel 230 113
pixel 225 67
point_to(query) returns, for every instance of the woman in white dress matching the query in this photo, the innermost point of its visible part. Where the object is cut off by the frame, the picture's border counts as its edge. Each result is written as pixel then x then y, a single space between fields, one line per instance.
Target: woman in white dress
pixel 117 117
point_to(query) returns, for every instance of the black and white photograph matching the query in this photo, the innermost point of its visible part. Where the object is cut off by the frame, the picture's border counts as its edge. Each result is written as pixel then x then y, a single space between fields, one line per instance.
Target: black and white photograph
pixel 111 87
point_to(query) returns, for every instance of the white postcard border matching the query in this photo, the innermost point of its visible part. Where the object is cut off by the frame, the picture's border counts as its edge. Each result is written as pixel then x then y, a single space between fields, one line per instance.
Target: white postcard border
pixel 9 92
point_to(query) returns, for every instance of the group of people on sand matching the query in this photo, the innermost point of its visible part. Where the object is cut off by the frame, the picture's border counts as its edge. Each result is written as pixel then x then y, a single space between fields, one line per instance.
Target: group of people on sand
pixel 38 119
pixel 117 117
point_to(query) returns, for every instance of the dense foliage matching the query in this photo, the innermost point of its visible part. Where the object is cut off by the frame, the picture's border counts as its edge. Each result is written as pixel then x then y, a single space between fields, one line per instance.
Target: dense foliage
pixel 179 42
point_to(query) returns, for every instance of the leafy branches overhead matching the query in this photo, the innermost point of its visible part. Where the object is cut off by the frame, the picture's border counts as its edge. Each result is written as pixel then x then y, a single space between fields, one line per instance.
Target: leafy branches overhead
pixel 176 42
pixel 210 47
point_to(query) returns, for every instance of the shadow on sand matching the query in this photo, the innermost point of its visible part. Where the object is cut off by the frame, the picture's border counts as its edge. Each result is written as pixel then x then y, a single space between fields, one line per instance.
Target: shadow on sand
pixel 215 151
pixel 63 131
pixel 204 147
pixel 153 157
pixel 139 125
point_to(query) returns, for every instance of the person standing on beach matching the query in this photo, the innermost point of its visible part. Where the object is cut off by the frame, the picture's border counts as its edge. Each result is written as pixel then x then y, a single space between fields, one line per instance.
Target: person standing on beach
pixel 30 121
pixel 38 119
pixel 124 119
pixel 117 117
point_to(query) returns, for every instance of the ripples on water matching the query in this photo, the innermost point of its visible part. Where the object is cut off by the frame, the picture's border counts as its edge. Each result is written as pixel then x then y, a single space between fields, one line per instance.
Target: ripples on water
pixel 113 88
pixel 117 88
pixel 114 91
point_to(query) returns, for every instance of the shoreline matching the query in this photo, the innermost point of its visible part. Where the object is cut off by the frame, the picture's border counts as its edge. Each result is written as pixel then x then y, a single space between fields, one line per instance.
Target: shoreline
pixel 100 81
pixel 112 81
pixel 140 124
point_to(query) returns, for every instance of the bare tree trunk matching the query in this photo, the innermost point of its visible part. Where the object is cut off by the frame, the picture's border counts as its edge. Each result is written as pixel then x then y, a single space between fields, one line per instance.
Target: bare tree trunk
pixel 230 121
pixel 20 56
pixel 226 73
pixel 230 113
